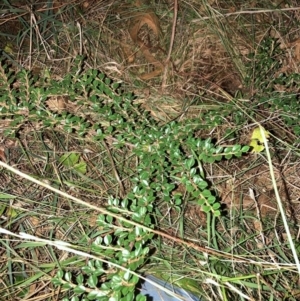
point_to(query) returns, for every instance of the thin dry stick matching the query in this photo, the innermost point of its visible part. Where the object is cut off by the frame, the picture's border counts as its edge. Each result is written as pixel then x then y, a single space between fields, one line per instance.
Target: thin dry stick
pixel 37 30
pixel 278 199
pixel 122 189
pixel 249 12
pixel 30 44
pixel 119 217
pixel 164 79
pixel 80 37
pixel 67 247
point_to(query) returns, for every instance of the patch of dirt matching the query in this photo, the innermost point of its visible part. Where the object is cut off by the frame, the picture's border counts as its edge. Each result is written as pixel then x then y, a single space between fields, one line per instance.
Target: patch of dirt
pixel 250 188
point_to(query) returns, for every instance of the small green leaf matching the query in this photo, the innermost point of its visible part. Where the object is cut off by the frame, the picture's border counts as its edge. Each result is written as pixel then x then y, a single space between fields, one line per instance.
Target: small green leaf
pixel 217 213
pixel 56 281
pixel 189 163
pixel 211 199
pixel 81 167
pixel 201 202
pixel 92 281
pixel 218 158
pixel 206 193
pixel 206 208
pixel 210 160
pixel 189 187
pixel 228 157
pixel 107 239
pixel 126 254
pixel 228 150
pixel 79 279
pixel 66 286
pixel 193 171
pixel 129 296
pixel 94 295
pixel 127 275
pixel 245 148
pixel 68 276
pixel 141 297
pixel 236 148
pixel 60 274
pixel 69 159
pixel 216 206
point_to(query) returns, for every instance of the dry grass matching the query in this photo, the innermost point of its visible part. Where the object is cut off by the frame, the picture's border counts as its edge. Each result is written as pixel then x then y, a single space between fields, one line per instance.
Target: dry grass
pixel 206 70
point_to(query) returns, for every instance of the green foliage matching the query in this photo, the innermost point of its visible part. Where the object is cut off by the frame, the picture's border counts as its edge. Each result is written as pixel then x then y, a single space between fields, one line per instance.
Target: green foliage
pixel 170 157
pixel 72 160
pixel 120 245
pixel 277 90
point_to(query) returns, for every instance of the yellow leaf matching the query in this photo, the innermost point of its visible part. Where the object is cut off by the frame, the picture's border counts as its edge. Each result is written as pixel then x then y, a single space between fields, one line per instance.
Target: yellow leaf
pixel 9 48
pixel 256 146
pixel 256 134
